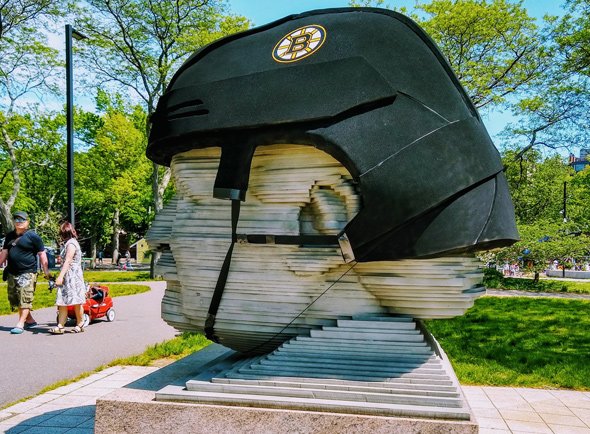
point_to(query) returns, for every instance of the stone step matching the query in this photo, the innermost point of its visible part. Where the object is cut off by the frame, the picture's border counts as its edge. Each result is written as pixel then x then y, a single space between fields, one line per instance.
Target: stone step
pixel 328 394
pixel 355 357
pixel 371 325
pixel 358 386
pixel 377 337
pixel 376 331
pixel 171 393
pixel 319 372
pixel 364 346
pixel 411 383
pixel 382 318
pixel 364 366
pixel 338 365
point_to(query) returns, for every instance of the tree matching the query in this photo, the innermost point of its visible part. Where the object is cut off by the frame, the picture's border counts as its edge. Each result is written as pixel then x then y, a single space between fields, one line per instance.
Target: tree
pixel 554 114
pixel 544 242
pixel 554 117
pixel 27 66
pixel 494 47
pixel 574 36
pixel 138 44
pixel 536 185
pixel 505 60
pixel 578 203
pixel 113 173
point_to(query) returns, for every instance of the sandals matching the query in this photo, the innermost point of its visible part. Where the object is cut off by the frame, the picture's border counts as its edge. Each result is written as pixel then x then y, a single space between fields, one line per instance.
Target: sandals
pixel 78 329
pixel 56 330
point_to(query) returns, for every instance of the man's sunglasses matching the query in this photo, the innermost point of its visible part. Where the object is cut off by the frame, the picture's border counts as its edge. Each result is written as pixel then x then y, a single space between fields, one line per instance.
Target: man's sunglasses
pixel 19 220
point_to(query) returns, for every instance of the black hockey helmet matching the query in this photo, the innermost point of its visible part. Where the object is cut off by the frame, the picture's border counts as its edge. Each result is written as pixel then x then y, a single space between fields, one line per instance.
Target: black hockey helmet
pixel 370 88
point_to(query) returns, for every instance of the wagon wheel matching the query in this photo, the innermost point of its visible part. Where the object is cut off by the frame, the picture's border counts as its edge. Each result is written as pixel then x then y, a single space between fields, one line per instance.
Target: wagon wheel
pixel 85 320
pixel 111 314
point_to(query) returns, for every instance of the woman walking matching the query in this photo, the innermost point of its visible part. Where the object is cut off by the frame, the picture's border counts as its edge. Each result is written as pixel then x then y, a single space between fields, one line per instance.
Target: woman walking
pixel 70 282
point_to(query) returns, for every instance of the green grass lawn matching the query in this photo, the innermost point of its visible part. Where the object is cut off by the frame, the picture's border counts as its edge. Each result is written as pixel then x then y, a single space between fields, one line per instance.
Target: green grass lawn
pixel 494 279
pixel 519 341
pixel 173 349
pixel 116 276
pixel 44 298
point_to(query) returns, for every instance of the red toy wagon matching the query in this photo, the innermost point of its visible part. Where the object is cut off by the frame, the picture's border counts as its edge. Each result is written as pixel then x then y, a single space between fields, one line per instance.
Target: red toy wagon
pixel 98 304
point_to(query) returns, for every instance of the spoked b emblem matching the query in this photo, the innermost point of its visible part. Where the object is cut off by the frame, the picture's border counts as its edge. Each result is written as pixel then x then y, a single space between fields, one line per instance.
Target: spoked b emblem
pixel 299 44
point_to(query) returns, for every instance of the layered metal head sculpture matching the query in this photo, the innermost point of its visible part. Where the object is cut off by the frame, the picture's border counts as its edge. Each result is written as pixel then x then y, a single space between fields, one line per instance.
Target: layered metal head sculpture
pixel 367 178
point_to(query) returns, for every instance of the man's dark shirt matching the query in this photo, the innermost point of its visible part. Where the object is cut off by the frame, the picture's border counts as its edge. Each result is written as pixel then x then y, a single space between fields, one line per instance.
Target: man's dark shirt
pixel 22 258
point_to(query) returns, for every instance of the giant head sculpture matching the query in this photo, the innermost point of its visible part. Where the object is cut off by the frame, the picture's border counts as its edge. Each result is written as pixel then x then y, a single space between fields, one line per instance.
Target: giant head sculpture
pixel 366 174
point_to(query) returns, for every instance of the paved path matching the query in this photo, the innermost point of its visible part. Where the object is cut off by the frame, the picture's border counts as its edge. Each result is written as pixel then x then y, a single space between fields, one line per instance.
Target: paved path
pixel 498 410
pixel 36 359
pixel 515 293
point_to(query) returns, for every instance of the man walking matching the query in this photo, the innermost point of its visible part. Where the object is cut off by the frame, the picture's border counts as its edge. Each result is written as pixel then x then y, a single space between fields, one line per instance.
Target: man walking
pixel 21 248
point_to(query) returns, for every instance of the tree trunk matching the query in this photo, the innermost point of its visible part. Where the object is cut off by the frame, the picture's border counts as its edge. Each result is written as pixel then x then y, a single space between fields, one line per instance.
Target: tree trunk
pixel 93 251
pixel 115 236
pixel 5 218
pixel 158 188
pixel 6 207
pixel 536 277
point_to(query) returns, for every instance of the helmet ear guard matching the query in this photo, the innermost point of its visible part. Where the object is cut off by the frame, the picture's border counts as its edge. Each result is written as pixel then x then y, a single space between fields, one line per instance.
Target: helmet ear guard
pixel 430 179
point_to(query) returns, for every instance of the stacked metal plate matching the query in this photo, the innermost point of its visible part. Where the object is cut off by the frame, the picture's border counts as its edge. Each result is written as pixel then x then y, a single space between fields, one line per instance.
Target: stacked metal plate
pixel 275 292
pixel 385 366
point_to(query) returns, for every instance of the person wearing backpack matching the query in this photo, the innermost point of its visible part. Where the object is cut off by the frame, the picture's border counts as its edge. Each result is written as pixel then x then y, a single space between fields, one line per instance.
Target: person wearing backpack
pixel 21 248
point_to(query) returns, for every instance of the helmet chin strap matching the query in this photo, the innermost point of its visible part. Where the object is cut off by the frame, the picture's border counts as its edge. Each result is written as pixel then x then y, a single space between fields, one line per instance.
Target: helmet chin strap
pixel 231 183
pixel 222 279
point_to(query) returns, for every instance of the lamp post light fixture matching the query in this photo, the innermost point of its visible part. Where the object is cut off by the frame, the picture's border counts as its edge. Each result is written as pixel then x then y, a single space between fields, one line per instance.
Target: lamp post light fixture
pixel 70 32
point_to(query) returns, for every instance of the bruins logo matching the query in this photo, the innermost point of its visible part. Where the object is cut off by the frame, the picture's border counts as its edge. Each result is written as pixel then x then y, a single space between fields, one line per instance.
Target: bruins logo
pixel 299 44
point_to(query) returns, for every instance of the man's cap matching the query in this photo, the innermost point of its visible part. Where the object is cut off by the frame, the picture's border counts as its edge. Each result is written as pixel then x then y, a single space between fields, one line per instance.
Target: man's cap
pixel 21 214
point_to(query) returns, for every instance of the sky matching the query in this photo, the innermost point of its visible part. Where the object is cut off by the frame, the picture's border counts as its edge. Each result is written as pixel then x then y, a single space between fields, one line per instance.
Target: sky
pixel 264 11
pixel 261 12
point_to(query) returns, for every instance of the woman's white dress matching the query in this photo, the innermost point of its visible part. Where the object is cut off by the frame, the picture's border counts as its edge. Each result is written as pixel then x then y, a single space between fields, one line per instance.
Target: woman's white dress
pixel 73 291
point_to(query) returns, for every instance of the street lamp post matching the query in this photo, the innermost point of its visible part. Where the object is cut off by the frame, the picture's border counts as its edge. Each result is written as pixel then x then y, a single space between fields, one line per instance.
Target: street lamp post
pixel 564 201
pixel 70 32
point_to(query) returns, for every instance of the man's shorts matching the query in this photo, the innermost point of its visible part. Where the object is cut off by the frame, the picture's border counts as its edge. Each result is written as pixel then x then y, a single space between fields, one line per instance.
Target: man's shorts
pixel 21 290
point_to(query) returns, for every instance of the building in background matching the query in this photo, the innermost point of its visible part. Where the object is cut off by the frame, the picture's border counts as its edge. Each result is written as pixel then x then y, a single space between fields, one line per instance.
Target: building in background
pixel 579 163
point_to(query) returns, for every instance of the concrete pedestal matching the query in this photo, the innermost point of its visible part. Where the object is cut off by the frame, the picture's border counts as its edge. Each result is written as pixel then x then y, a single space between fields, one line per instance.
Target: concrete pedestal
pixel 135 411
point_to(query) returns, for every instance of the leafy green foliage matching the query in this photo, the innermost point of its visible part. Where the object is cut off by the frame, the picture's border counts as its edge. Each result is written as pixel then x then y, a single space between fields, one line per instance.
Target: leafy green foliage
pixel 519 341
pixel 536 185
pixel 544 242
pixel 494 46
pixel 574 36
pixel 113 175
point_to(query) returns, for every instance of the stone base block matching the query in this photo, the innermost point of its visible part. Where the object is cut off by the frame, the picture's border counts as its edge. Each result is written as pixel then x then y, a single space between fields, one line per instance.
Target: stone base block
pixel 135 411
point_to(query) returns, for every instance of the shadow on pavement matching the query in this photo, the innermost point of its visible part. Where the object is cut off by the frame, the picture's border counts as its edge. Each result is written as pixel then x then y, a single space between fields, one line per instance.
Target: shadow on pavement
pixel 179 372
pixel 79 418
